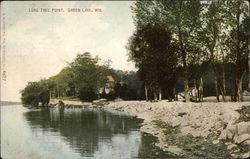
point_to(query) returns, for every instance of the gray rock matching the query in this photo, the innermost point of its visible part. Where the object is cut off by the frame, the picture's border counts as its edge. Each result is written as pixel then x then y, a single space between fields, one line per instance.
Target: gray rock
pixel 246 93
pixel 218 125
pixel 245 155
pixel 118 99
pixel 60 103
pixel 235 155
pixel 102 100
pixel 99 101
pixel 241 138
pixel 243 128
pixel 246 142
pixel 232 128
pixel 236 150
pixel 230 135
pixel 229 147
pixel 215 141
pixel 226 134
pixel 223 134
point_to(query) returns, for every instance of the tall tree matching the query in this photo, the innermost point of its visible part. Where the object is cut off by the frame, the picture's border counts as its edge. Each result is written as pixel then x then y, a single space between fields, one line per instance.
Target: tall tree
pixel 35 93
pixel 183 19
pixel 238 41
pixel 212 36
pixel 89 76
pixel 155 54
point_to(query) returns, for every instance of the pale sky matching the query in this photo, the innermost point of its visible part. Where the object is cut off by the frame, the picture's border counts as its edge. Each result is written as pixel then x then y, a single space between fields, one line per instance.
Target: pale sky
pixel 39 44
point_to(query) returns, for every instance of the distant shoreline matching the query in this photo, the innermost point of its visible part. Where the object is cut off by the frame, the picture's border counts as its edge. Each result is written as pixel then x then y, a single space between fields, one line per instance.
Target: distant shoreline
pixel 2 103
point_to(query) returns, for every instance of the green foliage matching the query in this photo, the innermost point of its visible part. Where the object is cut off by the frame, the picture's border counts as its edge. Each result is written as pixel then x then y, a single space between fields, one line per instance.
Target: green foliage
pixel 208 37
pixel 89 76
pixel 35 92
pixel 129 87
pixel 244 114
pixel 63 83
pixel 243 42
pixel 82 79
pixel 167 32
pixel 154 52
pixel 193 147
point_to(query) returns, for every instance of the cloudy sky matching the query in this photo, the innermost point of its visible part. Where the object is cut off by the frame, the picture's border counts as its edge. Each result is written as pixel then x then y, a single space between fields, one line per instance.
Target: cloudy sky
pixel 39 44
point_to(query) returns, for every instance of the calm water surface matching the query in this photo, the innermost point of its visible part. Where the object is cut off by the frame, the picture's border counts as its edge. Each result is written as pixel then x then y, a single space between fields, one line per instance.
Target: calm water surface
pixel 73 133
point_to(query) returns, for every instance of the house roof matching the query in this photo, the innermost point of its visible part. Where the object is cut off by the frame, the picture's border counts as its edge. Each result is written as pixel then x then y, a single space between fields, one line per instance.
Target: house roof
pixel 110 79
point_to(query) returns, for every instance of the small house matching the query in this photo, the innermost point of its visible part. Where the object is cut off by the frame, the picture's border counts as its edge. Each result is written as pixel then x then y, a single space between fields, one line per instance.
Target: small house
pixel 109 85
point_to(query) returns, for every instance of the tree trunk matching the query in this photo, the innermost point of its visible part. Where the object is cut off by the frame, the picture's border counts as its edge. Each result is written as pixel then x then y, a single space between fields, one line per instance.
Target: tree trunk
pixel 58 92
pixel 175 95
pixel 201 90
pixel 155 96
pixel 216 89
pixel 195 91
pixel 231 84
pixel 160 94
pixel 151 94
pixel 146 93
pixel 239 95
pixel 187 97
pixel 239 91
pixel 183 56
pixel 232 95
pixel 215 76
pixel 239 72
pixel 54 94
pixel 224 94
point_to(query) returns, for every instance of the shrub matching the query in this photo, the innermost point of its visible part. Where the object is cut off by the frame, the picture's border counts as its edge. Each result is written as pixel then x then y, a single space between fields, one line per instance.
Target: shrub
pixel 34 93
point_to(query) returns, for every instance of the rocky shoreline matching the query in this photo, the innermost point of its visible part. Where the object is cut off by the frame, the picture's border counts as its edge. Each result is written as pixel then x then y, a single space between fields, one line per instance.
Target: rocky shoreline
pixel 221 126
pixel 208 129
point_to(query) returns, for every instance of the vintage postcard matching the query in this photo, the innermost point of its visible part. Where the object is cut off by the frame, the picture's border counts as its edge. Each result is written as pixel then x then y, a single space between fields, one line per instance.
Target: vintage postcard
pixel 125 79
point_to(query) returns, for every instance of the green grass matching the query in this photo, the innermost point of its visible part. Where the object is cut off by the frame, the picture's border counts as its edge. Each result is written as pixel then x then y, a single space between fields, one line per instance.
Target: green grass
pixel 193 147
pixel 244 114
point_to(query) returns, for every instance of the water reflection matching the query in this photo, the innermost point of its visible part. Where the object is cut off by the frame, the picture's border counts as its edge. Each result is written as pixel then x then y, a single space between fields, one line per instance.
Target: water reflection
pixel 90 132
pixel 74 133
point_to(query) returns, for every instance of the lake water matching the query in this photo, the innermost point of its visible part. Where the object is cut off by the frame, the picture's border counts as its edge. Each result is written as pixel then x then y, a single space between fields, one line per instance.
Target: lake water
pixel 73 133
